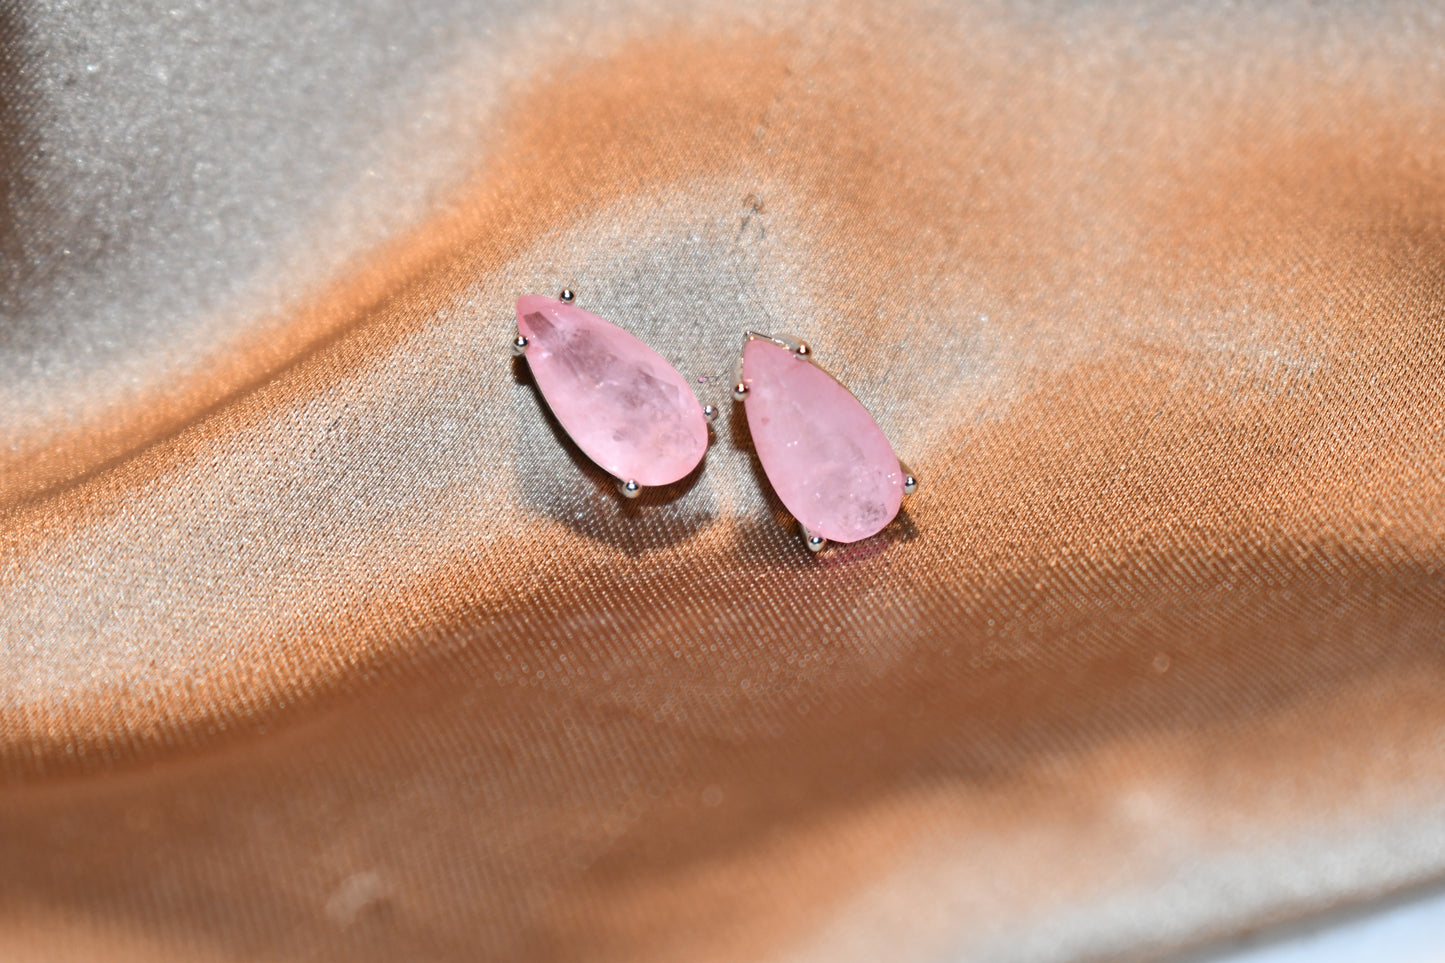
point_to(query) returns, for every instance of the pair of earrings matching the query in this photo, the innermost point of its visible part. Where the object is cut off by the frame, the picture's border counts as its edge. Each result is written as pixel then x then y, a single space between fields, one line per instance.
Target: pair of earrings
pixel 637 417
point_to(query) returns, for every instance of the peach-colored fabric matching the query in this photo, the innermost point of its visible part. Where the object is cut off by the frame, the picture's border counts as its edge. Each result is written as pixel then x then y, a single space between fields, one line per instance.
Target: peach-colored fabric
pixel 318 640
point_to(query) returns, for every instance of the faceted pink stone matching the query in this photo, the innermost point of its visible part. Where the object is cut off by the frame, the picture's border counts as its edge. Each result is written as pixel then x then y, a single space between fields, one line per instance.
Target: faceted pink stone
pixel 826 457
pixel 622 403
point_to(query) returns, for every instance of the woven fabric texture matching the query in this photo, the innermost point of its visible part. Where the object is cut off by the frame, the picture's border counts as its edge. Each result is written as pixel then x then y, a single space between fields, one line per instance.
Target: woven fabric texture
pixel 319 640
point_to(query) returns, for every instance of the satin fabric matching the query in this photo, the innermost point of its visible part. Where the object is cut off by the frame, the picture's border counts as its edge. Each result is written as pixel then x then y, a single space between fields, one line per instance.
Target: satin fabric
pixel 319 640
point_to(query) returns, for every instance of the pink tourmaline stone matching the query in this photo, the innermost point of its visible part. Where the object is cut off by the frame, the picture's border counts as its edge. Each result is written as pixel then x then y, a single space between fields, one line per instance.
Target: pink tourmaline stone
pixel 827 458
pixel 622 403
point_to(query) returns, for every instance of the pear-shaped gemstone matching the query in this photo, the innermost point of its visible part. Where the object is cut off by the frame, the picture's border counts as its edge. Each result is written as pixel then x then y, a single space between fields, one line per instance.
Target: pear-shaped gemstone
pixel 628 409
pixel 826 457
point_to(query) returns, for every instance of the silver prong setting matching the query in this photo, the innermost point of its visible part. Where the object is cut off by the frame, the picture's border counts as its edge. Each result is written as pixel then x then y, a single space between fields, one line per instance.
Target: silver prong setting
pixel 567 296
pixel 709 413
pixel 740 391
pixel 804 350
pixel 910 484
pixel 814 542
pixel 630 488
pixel 519 346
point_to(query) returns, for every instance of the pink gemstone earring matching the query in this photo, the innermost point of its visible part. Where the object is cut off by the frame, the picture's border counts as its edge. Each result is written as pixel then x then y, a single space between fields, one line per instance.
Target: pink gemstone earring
pixel 627 409
pixel 825 456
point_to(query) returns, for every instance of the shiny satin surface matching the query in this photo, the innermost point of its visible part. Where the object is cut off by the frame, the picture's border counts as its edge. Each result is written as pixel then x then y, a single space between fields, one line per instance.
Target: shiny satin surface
pixel 318 640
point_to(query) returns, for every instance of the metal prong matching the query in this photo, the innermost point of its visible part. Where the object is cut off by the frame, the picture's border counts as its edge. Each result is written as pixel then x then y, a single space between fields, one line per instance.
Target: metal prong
pixel 630 488
pixel 792 342
pixel 709 412
pixel 519 346
pixel 567 296
pixel 815 543
pixel 740 391
pixel 910 484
